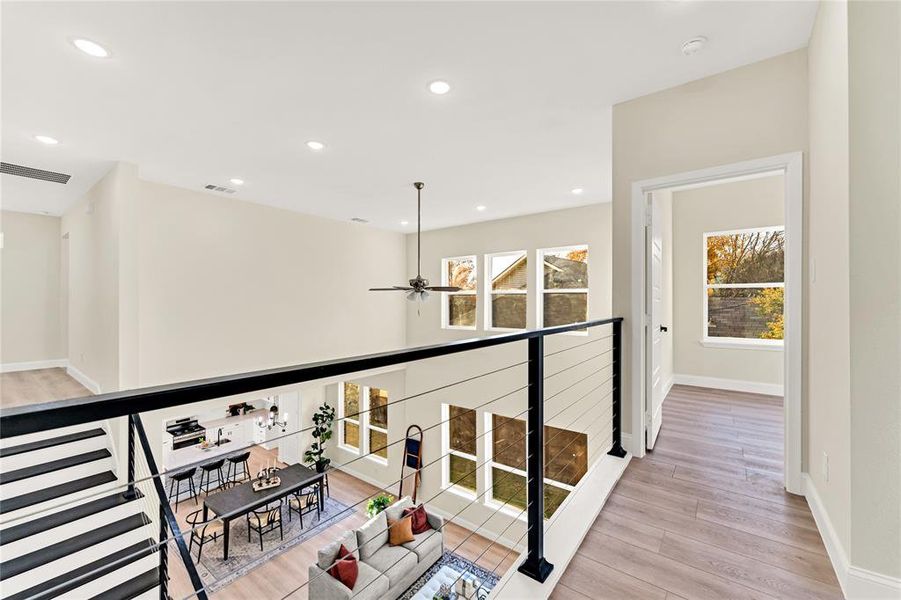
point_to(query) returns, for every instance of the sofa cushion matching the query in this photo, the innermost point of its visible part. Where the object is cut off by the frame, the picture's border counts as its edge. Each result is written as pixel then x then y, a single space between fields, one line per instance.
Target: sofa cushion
pixel 395 562
pixel 327 555
pixel 425 543
pixel 371 585
pixel 400 532
pixel 420 518
pixel 396 510
pixel 345 569
pixel 372 535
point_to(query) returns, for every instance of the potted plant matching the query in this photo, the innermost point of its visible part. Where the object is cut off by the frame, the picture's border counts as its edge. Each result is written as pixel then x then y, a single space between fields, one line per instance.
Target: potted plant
pixel 378 503
pixel 322 432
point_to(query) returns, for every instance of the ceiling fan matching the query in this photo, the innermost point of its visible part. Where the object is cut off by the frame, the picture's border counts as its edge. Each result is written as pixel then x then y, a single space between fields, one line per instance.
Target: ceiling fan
pixel 418 288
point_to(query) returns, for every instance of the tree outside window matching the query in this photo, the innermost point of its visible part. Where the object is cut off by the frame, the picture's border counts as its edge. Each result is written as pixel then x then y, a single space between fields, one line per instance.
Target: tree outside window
pixel 563 285
pixel 459 308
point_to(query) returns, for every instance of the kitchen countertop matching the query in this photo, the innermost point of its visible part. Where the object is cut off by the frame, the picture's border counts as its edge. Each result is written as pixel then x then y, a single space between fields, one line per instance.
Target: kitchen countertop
pixel 195 454
pixel 226 421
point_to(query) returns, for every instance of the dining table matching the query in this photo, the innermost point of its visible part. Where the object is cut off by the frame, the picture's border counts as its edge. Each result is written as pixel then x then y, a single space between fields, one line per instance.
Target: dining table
pixel 239 500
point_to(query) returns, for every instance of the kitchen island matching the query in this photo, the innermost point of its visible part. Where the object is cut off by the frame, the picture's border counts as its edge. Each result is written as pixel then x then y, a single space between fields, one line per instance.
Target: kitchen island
pixel 178 459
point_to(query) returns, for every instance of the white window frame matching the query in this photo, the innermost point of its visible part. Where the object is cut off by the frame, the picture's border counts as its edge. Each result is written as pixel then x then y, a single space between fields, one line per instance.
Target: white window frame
pixel 490 292
pixel 445 299
pixel 540 284
pixel 362 423
pixel 734 342
pixel 498 504
pixel 446 451
pixel 342 444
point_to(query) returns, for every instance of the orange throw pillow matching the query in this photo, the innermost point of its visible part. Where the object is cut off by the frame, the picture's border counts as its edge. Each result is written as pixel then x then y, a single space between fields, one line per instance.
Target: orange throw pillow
pixel 400 531
pixel 346 568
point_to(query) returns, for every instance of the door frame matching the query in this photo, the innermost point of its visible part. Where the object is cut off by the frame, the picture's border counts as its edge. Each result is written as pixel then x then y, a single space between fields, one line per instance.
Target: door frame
pixel 791 166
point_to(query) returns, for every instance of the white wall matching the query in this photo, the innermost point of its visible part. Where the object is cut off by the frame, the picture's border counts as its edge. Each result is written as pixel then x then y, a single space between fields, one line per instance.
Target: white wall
pixel 31 296
pixel 733 205
pixel 750 112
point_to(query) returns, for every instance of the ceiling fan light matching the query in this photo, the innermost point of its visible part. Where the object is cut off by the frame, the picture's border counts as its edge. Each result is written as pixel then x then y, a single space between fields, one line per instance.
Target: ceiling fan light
pixel 411 296
pixel 423 296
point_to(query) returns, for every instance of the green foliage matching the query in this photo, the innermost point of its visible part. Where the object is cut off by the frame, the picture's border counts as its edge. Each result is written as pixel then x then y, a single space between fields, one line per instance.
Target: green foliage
pixel 378 503
pixel 322 432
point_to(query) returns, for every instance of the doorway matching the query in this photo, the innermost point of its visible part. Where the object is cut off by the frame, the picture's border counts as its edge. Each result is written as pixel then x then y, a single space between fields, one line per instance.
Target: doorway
pixel 731 314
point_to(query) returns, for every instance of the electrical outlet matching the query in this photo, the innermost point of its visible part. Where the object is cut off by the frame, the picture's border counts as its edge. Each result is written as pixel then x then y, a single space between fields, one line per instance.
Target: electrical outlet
pixel 825 466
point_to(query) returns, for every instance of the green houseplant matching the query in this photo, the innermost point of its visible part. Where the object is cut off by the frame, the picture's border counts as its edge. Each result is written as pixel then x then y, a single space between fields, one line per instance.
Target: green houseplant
pixel 322 432
pixel 378 503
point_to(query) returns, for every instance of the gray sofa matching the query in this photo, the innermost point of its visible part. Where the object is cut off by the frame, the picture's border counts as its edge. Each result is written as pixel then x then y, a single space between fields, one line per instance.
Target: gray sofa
pixel 385 571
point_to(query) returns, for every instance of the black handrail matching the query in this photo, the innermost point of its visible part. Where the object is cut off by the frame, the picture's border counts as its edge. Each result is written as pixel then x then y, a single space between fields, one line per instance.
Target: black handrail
pixel 167 518
pixel 75 411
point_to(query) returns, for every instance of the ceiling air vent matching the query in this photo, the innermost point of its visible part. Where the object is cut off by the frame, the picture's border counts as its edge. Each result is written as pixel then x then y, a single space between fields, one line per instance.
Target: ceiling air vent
pixel 359 220
pixel 32 173
pixel 218 188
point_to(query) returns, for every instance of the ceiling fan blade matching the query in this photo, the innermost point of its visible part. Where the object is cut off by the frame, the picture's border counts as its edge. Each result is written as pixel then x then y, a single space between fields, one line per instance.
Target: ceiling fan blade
pixel 443 288
pixel 396 288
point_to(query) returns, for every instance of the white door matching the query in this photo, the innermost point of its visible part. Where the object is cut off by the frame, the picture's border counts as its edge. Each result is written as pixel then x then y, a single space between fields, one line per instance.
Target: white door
pixel 656 329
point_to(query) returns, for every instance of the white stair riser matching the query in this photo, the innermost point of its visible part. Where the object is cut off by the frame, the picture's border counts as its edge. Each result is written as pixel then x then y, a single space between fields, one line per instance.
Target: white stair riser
pixel 153 594
pixel 45 455
pixel 44 508
pixel 46 480
pixel 69 530
pixel 45 435
pixel 114 579
pixel 28 579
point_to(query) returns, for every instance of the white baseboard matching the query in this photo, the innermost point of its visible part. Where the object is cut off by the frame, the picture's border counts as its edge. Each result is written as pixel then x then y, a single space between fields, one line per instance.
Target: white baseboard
pixel 83 379
pixel 856 583
pixel 668 385
pixel 735 385
pixel 56 363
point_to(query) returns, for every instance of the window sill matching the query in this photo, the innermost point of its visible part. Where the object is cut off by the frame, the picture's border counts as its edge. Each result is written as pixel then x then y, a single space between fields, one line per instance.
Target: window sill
pixel 378 459
pixel 743 344
pixel 350 449
pixel 459 491
pixel 458 328
pixel 505 329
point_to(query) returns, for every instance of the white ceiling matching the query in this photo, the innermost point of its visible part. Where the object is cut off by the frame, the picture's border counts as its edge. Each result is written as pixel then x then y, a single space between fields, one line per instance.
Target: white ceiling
pixel 201 92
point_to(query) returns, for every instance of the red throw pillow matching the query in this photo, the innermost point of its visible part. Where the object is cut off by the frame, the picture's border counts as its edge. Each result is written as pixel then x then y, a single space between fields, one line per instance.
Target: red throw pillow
pixel 420 519
pixel 346 568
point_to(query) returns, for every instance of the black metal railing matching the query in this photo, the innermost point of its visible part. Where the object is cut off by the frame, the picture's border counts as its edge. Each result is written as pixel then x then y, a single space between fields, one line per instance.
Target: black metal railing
pixel 129 404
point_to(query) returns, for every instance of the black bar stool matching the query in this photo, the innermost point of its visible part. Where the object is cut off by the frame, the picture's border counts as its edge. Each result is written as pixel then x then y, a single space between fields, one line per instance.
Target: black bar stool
pixel 175 482
pixel 231 470
pixel 205 475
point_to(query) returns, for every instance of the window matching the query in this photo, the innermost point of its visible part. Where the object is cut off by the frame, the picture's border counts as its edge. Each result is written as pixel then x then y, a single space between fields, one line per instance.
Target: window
pixel 744 286
pixel 364 411
pixel 459 440
pixel 563 281
pixel 459 308
pixel 566 462
pixel 507 291
pixel 349 410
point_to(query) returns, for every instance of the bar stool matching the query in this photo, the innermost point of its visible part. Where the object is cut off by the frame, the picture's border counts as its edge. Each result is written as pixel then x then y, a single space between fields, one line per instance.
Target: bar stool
pixel 175 481
pixel 205 475
pixel 231 471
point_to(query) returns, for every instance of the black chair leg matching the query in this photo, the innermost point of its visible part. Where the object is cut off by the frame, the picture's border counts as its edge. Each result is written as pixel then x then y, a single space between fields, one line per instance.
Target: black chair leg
pixel 281 530
pixel 199 549
pixel 192 489
pixel 177 493
pixel 261 539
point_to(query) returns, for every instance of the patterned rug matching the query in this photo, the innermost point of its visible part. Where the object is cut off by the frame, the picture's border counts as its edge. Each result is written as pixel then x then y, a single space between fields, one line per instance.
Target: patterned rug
pixel 459 564
pixel 243 557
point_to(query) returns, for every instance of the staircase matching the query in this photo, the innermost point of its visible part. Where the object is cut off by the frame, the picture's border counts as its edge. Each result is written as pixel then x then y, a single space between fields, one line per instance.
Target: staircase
pixel 66 528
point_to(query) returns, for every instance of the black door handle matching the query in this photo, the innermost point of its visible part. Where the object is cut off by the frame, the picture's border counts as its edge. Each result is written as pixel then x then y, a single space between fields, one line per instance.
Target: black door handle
pixel 664 328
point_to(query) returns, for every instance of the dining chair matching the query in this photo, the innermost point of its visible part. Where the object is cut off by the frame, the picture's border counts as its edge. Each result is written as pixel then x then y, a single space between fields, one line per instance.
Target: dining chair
pixel 265 520
pixel 305 502
pixel 203 532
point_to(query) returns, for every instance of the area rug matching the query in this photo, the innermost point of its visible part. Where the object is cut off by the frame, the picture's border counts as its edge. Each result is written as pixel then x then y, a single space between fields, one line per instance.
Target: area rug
pixel 244 556
pixel 460 565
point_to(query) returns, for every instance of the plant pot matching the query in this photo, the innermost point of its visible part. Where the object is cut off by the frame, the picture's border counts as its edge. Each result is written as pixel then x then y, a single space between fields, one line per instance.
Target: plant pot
pixel 320 467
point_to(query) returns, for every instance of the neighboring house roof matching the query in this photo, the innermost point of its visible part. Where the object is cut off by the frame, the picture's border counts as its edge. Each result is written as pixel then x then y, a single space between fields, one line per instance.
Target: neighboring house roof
pixel 561 272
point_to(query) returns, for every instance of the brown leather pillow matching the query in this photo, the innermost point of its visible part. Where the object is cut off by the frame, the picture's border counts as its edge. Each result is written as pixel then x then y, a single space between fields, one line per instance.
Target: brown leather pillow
pixel 400 531
pixel 346 568
pixel 420 519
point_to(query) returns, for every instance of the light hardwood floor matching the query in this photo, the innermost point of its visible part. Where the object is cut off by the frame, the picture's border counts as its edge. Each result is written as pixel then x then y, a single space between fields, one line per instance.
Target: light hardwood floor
pixel 40 385
pixel 705 514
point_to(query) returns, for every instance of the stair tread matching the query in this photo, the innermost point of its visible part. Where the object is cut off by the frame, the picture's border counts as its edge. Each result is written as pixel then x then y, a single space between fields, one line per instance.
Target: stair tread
pixel 50 442
pixel 56 491
pixel 133 587
pixel 104 566
pixel 16 566
pixel 63 517
pixel 54 465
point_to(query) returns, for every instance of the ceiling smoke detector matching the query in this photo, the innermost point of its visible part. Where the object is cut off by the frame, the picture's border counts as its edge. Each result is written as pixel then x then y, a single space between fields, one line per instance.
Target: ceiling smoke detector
pixel 694 45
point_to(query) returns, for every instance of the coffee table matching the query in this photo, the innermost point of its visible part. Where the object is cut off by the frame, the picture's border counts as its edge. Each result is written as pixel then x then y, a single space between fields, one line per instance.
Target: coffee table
pixel 446 576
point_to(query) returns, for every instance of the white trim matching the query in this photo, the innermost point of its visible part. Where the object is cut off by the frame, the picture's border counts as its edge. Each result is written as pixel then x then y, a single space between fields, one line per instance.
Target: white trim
pixel 667 386
pixel 735 385
pixel 83 379
pixel 445 296
pixel 743 344
pixel 791 166
pixel 539 285
pixel 490 293
pixel 56 363
pixel 856 583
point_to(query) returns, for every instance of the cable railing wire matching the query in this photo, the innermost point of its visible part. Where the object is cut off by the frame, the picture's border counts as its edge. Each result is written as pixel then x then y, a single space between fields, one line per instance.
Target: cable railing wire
pixel 567 349
pixel 581 362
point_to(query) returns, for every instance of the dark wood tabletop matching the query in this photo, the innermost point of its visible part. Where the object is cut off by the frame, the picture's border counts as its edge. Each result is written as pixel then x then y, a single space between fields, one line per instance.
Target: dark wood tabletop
pixel 240 499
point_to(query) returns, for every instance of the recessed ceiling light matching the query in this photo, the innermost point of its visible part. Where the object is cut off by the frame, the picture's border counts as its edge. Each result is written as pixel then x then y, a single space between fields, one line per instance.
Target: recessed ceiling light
pixel 91 48
pixel 46 139
pixel 481 207
pixel 237 181
pixel 404 222
pixel 439 87
pixel 694 45
pixel 577 191
pixel 313 145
